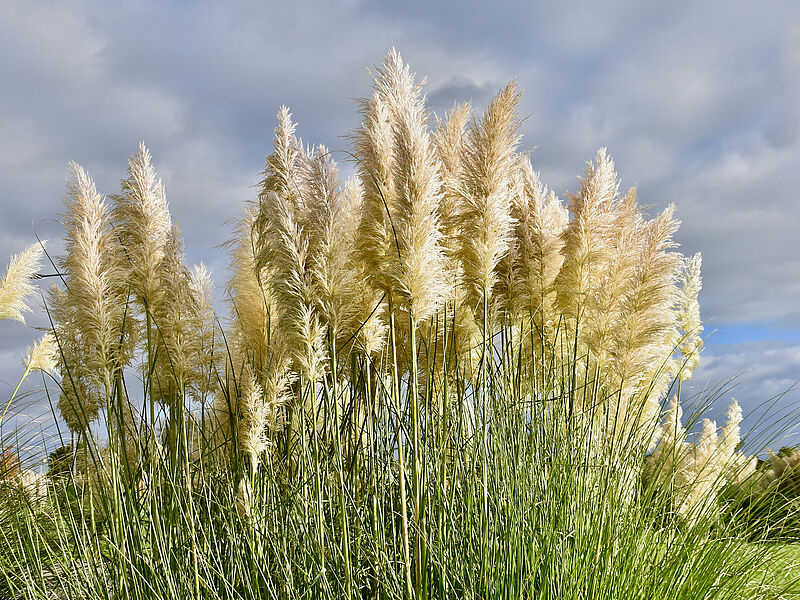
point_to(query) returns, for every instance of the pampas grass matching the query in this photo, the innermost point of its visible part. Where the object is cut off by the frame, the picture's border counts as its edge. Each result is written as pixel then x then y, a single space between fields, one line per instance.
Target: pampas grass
pixel 586 248
pixel 173 313
pixel 689 323
pixel 484 210
pixel 332 238
pixel 94 279
pixel 535 258
pixel 252 304
pixel 43 355
pixel 435 380
pixel 78 401
pixel 16 286
pixel 203 330
pixel 374 151
pixel 143 224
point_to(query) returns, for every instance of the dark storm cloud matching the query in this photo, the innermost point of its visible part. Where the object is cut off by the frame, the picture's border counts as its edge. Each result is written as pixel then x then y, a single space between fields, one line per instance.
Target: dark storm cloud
pixel 699 103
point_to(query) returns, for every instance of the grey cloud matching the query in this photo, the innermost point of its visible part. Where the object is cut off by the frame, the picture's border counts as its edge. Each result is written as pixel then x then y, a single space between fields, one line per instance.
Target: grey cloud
pixel 756 374
pixel 460 89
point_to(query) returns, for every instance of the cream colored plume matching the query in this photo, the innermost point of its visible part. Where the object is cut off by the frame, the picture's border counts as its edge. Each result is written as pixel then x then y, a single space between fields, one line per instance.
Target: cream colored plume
pixel 252 302
pixel 310 354
pixel 407 250
pixel 449 139
pixel 278 382
pixel 254 406
pixel 33 484
pixel 142 222
pixel 369 322
pixel 374 150
pixel 280 189
pixel 254 418
pixel 96 286
pixel 286 229
pixel 662 464
pixel 371 325
pixel 606 307
pixel 174 336
pixel 699 479
pixel 204 331
pixel 742 468
pixel 281 174
pixel 586 237
pixel 43 355
pixel 644 341
pixel 731 436
pixel 540 219
pixel 690 327
pixel 418 274
pixel 695 474
pixel 287 253
pixel 16 286
pixel 328 218
pixel 737 466
pixel 78 402
pixel 484 209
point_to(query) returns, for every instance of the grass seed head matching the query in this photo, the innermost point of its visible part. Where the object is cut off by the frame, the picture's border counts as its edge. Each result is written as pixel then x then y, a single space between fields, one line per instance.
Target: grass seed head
pixel 16 285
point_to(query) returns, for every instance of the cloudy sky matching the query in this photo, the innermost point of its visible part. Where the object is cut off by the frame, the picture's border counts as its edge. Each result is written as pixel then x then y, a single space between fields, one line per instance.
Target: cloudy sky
pixel 699 103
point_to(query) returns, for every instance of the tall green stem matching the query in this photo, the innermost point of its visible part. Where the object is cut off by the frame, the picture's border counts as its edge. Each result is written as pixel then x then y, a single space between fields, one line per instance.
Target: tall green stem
pixel 317 478
pixel 419 525
pixel 340 468
pixel 400 451
pixel 485 436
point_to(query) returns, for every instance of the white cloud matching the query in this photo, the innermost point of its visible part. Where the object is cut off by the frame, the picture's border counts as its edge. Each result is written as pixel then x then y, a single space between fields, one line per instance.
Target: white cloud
pixel 756 374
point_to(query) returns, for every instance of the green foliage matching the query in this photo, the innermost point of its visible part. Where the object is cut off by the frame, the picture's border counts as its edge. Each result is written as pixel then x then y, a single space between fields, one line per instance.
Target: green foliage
pixel 59 462
pixel 528 507
pixel 769 501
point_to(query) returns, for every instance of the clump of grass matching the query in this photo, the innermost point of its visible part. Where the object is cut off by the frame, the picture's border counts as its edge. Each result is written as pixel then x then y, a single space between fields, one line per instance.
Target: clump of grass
pixel 436 380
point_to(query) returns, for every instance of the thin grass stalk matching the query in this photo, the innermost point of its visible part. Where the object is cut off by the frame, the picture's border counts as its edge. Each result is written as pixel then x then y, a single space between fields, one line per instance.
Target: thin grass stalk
pixel 400 452
pixel 486 353
pixel 317 482
pixel 419 526
pixel 340 465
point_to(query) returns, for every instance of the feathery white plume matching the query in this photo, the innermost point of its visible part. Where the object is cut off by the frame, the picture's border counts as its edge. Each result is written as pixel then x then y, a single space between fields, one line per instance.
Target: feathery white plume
pixel 95 283
pixel 688 319
pixel 43 355
pixel 488 159
pixel 143 223
pixel 16 284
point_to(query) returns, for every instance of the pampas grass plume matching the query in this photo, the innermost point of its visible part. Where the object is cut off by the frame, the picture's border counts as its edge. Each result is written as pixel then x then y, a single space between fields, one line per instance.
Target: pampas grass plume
pixel 172 314
pixel 204 331
pixel 43 355
pixel 249 294
pixel 540 219
pixel 79 401
pixel 488 161
pixel 143 223
pixel 374 151
pixel 449 139
pixel 585 242
pixel 95 285
pixel 254 418
pixel 16 284
pixel 689 323
pixel 329 217
pixel 418 272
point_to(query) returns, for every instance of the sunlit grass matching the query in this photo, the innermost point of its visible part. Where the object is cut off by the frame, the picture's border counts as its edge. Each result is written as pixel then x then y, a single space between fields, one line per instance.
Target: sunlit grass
pixel 437 381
